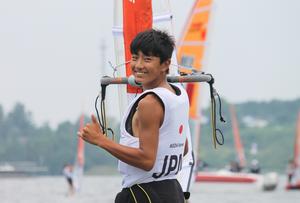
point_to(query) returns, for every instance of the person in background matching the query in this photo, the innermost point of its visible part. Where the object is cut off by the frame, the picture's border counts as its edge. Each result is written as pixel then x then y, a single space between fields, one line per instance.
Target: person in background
pixel 68 173
pixel 290 170
pixel 234 166
pixel 254 166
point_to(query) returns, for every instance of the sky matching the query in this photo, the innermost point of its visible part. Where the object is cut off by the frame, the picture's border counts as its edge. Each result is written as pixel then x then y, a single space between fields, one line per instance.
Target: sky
pixel 51 58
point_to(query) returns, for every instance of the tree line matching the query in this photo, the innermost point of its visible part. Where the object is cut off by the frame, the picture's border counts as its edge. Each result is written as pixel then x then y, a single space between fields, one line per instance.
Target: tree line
pixel 275 140
pixel 22 140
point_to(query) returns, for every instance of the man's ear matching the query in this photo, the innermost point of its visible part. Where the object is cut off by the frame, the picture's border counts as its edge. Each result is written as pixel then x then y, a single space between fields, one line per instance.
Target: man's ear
pixel 166 65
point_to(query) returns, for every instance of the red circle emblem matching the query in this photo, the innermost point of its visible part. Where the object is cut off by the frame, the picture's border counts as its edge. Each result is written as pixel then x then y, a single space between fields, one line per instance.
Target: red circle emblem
pixel 180 129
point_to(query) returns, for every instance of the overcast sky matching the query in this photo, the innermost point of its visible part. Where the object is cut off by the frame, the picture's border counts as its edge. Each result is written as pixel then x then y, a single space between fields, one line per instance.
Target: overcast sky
pixel 50 54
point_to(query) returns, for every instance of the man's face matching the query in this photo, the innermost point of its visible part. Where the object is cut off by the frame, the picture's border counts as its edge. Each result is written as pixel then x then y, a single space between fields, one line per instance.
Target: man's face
pixel 148 70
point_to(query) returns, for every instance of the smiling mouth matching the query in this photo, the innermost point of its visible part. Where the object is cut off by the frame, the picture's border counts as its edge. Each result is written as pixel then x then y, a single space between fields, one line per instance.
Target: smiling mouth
pixel 139 73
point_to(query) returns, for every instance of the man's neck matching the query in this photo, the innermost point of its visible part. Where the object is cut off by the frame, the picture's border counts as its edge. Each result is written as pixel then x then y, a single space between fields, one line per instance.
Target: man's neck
pixel 163 84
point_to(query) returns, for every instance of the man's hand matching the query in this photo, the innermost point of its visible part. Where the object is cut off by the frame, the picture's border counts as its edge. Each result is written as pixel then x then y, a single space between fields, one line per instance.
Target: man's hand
pixel 92 133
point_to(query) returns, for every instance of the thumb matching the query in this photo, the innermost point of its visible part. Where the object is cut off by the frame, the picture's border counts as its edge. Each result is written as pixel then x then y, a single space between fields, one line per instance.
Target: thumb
pixel 94 120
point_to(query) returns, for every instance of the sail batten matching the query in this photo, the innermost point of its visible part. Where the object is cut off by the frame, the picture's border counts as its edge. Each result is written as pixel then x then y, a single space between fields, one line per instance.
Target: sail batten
pixel 162 18
pixel 201 10
pixel 193 43
pixel 156 19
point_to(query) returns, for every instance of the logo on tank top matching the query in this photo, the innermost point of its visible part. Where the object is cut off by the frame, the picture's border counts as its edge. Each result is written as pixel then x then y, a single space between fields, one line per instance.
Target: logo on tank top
pixel 172 164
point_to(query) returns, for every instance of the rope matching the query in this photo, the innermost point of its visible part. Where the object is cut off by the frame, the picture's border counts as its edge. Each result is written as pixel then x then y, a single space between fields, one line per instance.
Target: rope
pixel 132 195
pixel 145 193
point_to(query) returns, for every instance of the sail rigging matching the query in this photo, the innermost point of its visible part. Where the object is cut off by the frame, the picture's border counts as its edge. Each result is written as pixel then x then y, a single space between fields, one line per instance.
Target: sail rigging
pixel 190 54
pixel 130 18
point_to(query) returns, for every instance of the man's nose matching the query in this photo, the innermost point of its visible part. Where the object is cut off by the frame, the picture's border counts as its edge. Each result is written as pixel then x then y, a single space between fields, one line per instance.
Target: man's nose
pixel 139 63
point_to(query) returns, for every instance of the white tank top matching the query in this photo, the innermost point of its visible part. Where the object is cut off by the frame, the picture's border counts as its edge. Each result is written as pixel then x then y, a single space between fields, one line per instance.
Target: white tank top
pixel 171 139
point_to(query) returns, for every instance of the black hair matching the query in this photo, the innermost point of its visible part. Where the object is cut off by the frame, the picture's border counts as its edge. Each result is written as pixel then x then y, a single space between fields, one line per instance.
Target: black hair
pixel 153 43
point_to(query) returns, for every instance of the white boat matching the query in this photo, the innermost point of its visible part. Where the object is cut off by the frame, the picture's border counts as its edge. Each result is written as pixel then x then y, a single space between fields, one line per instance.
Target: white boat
pixel 236 172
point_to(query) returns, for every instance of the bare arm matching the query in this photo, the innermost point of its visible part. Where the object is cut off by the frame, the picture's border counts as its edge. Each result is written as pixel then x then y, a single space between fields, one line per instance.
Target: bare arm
pixel 150 116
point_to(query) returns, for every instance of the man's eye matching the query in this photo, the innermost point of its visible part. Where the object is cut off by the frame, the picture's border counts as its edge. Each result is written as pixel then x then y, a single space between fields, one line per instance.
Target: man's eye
pixel 148 59
pixel 134 58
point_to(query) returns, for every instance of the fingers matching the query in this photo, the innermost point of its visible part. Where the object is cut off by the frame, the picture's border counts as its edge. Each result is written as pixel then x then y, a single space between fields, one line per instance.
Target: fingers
pixel 86 128
pixel 83 134
pixel 80 134
pixel 83 131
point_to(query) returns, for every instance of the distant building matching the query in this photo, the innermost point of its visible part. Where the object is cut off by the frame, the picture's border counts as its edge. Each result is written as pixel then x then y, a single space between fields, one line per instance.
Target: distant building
pixel 252 122
pixel 21 168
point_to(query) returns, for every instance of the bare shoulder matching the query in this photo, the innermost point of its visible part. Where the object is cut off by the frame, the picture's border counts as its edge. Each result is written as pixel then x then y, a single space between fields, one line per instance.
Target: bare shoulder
pixel 151 106
pixel 150 101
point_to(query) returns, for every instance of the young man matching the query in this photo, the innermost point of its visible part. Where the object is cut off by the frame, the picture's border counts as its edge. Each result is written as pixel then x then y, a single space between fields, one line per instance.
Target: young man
pixel 152 141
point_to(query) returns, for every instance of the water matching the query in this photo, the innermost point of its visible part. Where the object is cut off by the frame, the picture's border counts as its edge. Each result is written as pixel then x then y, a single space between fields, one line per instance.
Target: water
pixel 102 189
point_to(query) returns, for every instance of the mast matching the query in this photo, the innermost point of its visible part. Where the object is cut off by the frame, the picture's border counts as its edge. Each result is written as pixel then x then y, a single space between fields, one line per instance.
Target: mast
pixel 237 139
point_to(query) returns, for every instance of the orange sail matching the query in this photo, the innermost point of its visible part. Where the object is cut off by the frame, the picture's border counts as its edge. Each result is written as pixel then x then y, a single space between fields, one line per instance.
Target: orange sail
pixel 137 17
pixel 80 146
pixel 237 139
pixel 297 143
pixel 191 48
pixel 190 54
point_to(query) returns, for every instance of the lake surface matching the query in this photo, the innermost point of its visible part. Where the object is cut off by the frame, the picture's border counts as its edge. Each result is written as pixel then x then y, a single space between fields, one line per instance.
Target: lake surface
pixel 102 189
